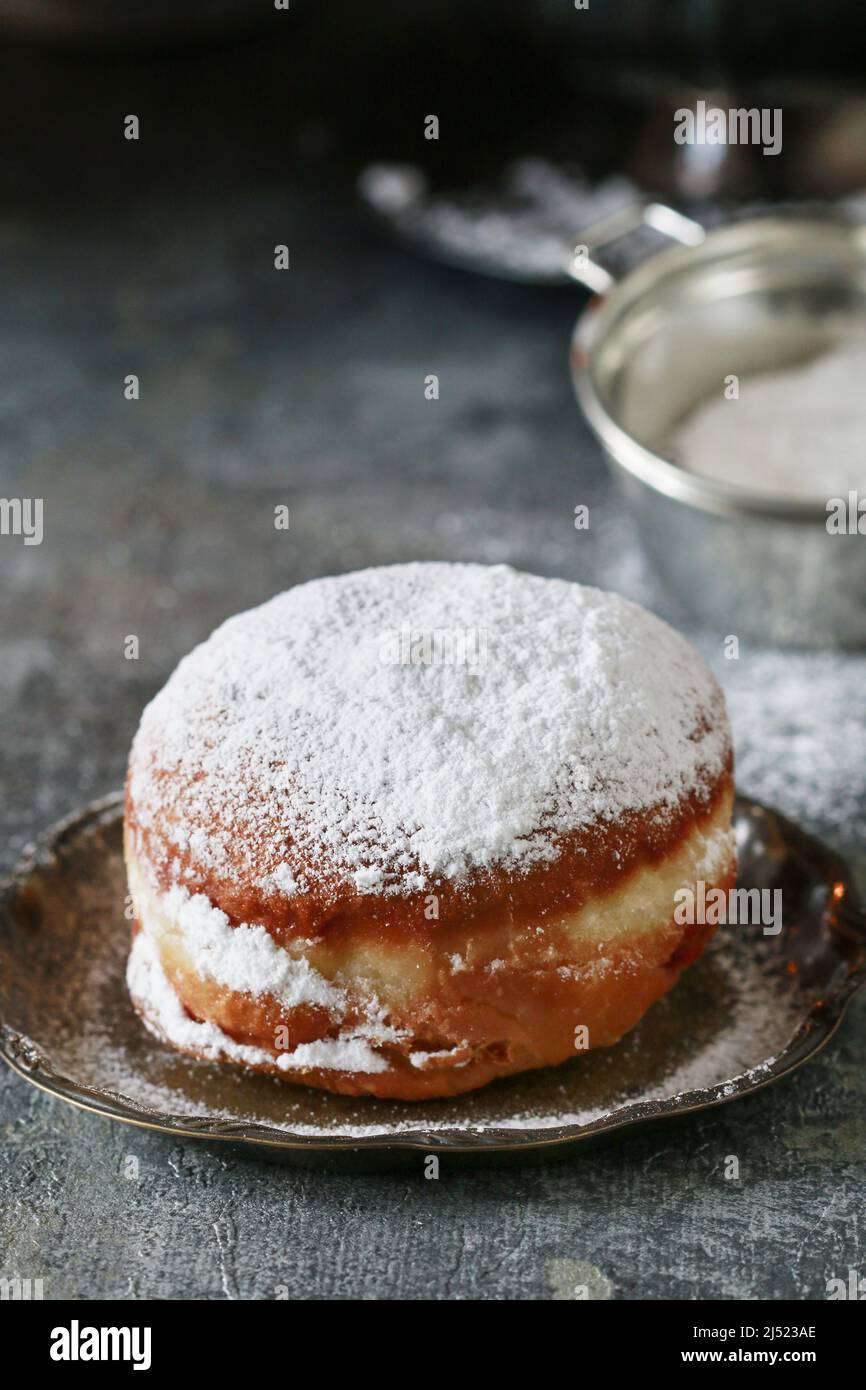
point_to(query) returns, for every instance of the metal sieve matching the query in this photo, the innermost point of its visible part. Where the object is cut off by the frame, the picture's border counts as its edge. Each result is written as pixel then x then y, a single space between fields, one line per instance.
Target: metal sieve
pixel 752 296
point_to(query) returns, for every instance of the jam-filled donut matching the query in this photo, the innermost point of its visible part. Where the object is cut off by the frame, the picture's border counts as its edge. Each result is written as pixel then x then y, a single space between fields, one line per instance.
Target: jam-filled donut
pixel 407 830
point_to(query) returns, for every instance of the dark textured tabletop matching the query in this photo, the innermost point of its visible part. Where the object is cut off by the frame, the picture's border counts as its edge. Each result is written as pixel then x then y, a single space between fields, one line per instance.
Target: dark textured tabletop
pixel 306 388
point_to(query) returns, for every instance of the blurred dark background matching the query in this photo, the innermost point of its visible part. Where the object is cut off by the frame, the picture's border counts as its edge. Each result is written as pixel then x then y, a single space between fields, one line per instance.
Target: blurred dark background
pixel 234 89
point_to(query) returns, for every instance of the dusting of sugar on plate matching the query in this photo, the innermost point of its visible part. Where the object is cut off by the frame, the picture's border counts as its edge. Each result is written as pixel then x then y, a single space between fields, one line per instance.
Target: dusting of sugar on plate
pixel 761 1022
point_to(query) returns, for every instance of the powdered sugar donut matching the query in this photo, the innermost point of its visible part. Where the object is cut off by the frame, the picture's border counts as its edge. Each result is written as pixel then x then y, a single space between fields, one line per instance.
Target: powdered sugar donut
pixel 407 830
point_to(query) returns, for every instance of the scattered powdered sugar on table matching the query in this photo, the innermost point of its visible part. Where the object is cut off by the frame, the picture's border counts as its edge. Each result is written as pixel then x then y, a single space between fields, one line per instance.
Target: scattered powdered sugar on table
pixel 796 433
pixel 799 722
pixel 307 736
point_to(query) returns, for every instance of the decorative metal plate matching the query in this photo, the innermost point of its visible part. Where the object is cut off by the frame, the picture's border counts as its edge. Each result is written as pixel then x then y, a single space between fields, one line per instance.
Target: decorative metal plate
pixel 755 1008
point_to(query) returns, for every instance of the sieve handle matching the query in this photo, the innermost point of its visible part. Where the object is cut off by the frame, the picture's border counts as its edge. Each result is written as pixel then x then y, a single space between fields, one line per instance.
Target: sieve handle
pixel 587 270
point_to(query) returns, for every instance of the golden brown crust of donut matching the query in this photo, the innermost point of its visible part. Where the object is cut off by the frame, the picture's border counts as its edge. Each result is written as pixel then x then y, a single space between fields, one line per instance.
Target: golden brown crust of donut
pixel 524 987
pixel 590 862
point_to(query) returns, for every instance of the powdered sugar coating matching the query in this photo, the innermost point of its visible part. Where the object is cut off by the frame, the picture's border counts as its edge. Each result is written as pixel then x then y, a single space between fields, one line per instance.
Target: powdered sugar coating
pixel 166 1017
pixel 305 742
